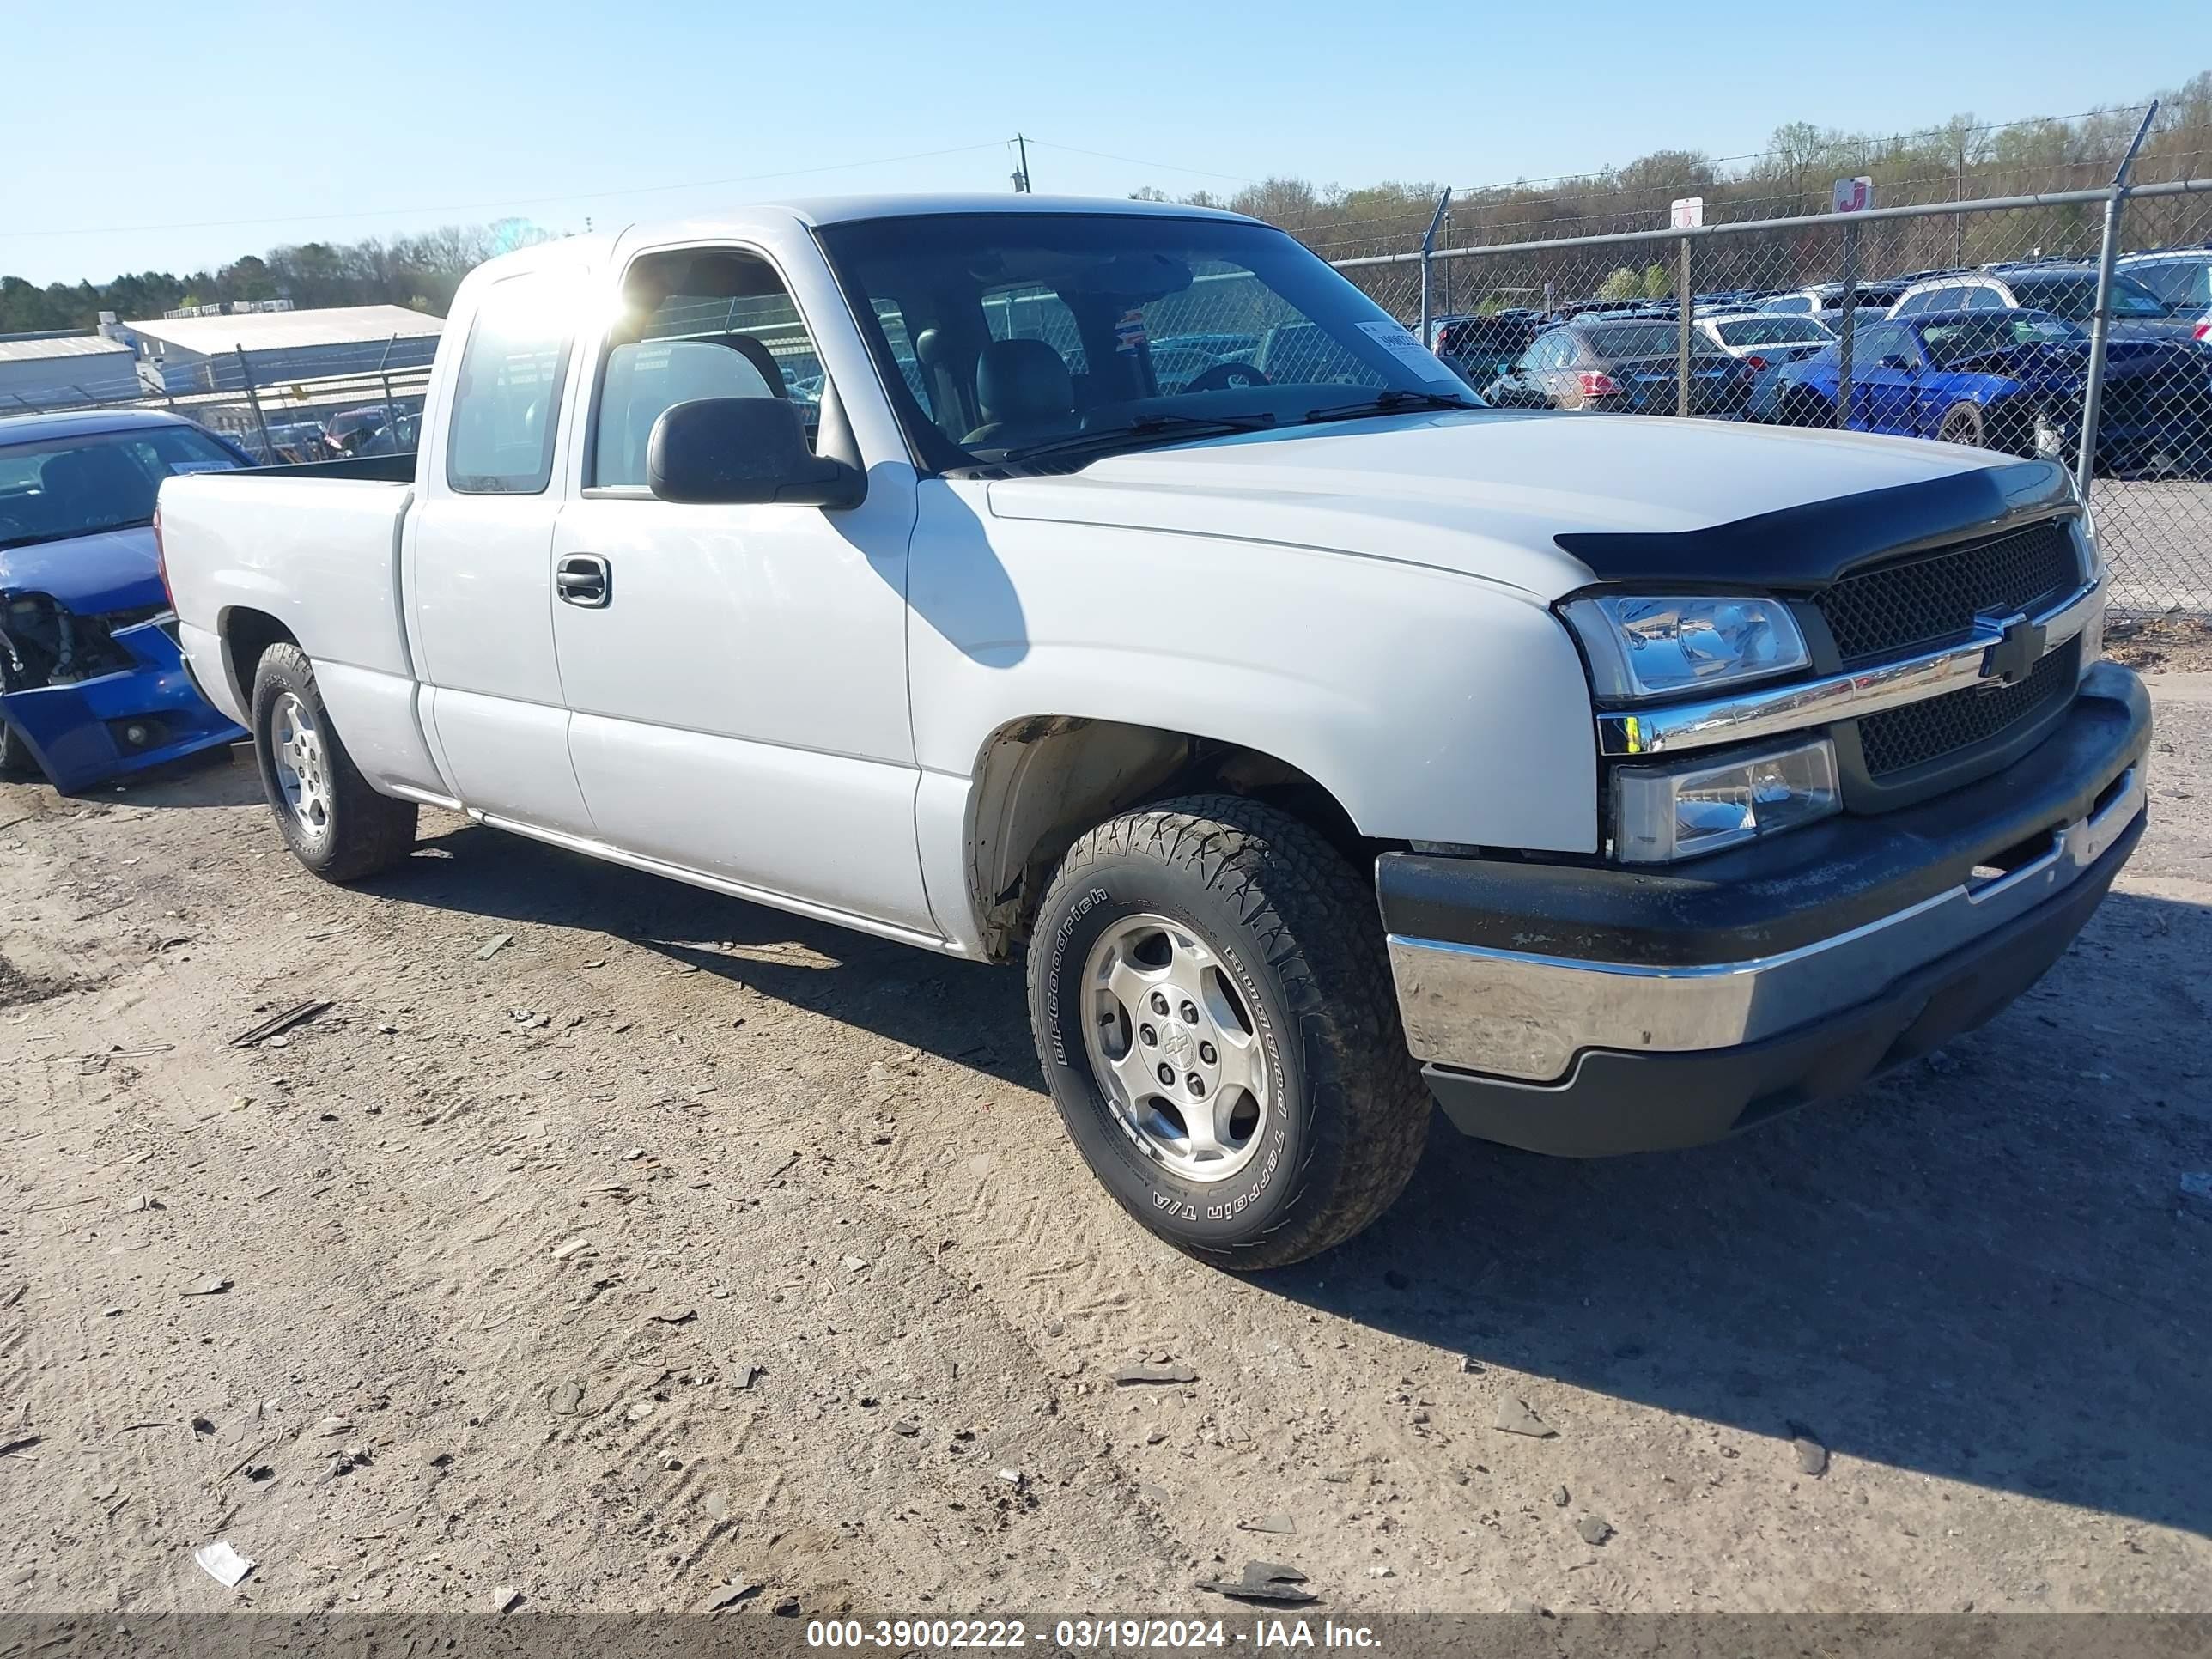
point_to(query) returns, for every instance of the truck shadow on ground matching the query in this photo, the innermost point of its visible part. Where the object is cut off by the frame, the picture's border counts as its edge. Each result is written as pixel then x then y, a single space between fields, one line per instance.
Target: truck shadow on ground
pixel 1980 1269
pixel 960 1011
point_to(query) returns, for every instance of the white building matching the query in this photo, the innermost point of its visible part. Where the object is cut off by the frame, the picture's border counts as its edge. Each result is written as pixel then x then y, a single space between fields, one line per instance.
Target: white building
pixel 201 354
pixel 38 371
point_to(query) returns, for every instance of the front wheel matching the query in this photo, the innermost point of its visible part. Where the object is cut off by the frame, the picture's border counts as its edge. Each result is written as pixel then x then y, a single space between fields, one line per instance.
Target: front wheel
pixel 15 760
pixel 1962 424
pixel 333 821
pixel 1215 1016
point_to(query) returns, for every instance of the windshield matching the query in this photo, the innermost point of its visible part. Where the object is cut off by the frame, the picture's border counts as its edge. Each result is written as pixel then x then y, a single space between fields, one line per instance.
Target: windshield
pixel 1773 330
pixel 80 486
pixel 1952 343
pixel 1005 334
pixel 2075 298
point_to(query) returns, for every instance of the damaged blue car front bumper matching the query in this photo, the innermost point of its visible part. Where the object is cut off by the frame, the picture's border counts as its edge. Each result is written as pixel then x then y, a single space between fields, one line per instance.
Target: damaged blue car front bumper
pixel 81 732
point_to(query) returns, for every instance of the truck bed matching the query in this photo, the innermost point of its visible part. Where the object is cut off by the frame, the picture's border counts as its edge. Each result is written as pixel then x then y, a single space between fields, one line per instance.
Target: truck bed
pixel 311 551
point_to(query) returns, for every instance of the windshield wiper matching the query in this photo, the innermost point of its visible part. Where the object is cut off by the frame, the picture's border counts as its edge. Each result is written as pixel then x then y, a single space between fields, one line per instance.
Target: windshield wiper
pixel 1391 402
pixel 1152 426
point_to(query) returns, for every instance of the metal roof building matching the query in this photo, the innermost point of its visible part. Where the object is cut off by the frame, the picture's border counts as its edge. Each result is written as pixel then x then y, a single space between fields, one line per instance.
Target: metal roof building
pixel 67 368
pixel 202 353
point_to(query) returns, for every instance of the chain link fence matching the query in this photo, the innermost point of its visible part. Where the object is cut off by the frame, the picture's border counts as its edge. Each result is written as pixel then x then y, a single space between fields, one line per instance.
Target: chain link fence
pixel 358 399
pixel 2011 323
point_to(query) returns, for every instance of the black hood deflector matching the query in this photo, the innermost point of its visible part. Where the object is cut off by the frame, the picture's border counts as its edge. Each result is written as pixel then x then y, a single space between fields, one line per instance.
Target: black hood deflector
pixel 1799 548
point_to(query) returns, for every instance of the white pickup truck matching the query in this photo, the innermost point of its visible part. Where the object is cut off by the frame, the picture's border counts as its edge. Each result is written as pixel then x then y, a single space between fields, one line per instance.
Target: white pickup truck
pixel 1115 586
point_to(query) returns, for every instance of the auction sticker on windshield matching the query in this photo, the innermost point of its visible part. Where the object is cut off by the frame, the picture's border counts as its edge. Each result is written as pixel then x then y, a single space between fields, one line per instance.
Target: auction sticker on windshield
pixel 1393 338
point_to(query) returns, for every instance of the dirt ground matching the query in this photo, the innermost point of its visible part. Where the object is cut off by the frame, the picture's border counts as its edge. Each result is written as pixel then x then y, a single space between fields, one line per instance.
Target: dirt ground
pixel 675 1243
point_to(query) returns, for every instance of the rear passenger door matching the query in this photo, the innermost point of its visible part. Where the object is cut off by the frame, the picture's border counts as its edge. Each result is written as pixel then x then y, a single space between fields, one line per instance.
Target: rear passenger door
pixel 736 675
pixel 476 561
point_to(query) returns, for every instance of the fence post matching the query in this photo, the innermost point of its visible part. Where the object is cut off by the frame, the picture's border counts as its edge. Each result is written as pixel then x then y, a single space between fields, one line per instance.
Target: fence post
pixel 2108 251
pixel 1428 253
pixel 253 397
pixel 1684 305
pixel 1849 300
pixel 384 374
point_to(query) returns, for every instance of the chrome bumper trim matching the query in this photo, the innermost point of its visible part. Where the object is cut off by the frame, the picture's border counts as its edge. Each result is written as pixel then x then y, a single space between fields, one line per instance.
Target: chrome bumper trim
pixel 2000 648
pixel 1520 1014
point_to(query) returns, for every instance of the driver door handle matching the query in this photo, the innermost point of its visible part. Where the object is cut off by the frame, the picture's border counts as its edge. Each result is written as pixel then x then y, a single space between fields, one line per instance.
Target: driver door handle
pixel 584 578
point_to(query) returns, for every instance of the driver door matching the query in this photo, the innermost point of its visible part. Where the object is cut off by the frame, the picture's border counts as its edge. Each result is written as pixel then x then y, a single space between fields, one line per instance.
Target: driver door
pixel 736 675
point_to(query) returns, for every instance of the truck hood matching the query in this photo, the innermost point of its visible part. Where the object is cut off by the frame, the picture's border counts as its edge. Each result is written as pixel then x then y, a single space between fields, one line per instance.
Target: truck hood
pixel 1485 492
pixel 88 575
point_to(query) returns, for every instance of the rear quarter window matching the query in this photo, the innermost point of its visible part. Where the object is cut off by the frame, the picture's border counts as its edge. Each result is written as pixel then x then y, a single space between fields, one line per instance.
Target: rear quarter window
pixel 506 396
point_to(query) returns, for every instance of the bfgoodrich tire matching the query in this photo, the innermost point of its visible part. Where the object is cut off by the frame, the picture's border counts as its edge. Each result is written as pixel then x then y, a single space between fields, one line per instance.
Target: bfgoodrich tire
pixel 1215 1016
pixel 333 821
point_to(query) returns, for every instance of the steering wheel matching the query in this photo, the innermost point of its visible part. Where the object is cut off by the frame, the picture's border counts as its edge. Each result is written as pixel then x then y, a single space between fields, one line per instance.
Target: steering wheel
pixel 1219 377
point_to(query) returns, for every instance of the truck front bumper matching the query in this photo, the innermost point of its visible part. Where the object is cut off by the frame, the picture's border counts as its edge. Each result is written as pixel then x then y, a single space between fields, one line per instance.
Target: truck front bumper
pixel 1586 1010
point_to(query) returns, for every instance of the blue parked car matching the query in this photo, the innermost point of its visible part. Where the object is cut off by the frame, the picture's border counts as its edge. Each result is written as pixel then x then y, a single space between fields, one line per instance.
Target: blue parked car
pixel 2010 380
pixel 91 682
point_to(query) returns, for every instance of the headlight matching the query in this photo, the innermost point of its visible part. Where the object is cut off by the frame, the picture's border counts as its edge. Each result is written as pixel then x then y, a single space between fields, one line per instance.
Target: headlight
pixel 1664 813
pixel 1641 648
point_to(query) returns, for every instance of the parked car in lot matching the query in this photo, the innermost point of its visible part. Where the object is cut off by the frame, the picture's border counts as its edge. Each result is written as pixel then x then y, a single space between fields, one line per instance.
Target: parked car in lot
pixel 1824 301
pixel 2013 380
pixel 1624 365
pixel 2067 291
pixel 1759 339
pixel 91 683
pixel 1219 346
pixel 1483 348
pixel 2181 280
pixel 1320 745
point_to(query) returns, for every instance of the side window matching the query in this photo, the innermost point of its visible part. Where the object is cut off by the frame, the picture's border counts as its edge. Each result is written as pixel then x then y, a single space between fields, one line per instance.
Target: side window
pixel 1911 304
pixel 1881 341
pixel 1795 303
pixel 1984 299
pixel 697 323
pixel 506 400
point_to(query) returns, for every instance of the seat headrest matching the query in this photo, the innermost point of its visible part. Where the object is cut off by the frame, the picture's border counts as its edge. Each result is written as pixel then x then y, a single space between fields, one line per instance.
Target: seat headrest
pixel 96 483
pixel 1022 380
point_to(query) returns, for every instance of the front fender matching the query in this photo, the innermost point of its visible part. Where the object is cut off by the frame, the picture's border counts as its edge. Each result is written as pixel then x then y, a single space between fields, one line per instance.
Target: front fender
pixel 1432 705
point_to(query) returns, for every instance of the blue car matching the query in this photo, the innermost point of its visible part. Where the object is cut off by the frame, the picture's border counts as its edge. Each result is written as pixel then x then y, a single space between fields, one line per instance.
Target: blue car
pixel 91 682
pixel 2006 379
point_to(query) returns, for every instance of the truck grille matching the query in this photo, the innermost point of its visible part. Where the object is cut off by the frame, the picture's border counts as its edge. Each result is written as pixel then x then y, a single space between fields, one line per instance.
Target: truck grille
pixel 1922 603
pixel 1899 739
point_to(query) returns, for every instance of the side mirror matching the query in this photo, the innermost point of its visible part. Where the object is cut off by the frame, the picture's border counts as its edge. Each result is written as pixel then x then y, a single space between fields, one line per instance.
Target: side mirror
pixel 742 450
pixel 1897 360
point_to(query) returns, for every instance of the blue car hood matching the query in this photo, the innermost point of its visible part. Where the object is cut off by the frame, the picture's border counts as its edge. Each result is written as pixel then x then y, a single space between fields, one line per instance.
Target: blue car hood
pixel 90 576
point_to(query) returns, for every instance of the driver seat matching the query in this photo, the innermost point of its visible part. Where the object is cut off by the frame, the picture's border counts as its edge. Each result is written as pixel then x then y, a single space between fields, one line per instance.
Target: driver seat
pixel 1022 387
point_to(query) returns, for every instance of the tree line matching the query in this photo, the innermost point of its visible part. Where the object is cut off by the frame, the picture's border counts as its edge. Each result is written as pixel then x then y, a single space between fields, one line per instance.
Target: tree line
pixel 1962 158
pixel 419 271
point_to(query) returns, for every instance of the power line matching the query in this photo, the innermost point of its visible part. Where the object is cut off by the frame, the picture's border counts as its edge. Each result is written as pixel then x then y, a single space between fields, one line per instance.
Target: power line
pixel 1138 161
pixel 504 201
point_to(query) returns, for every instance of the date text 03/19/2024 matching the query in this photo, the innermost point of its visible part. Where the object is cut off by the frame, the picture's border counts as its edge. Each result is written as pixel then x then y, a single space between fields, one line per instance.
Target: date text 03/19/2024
pixel 1078 1635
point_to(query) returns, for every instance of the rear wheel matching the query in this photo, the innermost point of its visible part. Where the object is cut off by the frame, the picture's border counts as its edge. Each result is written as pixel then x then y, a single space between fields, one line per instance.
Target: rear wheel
pixel 1215 1016
pixel 333 821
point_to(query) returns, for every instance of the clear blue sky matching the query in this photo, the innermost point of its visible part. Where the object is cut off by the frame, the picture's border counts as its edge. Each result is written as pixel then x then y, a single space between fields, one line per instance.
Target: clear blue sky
pixel 125 127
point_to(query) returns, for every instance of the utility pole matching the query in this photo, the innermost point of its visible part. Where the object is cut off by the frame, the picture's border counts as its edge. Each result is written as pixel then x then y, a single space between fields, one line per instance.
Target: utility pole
pixel 1022 171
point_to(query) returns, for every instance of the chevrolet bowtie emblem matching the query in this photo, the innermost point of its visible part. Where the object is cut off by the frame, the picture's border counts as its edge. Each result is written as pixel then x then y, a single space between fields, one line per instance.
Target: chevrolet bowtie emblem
pixel 2020 646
